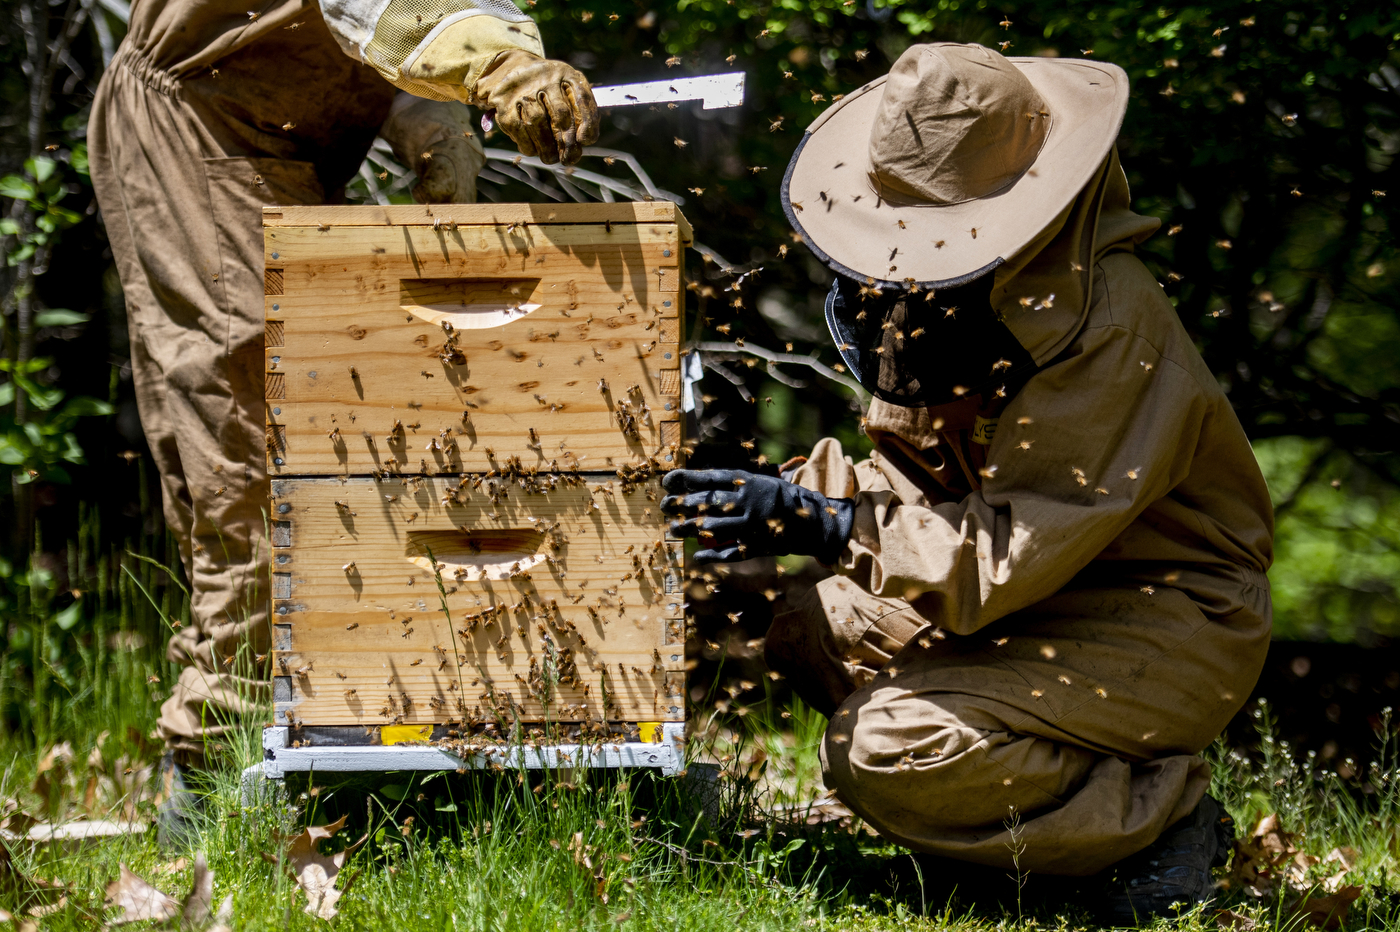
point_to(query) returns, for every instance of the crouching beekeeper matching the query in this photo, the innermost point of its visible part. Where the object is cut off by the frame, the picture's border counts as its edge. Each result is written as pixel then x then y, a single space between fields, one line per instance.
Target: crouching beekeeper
pixel 1050 591
pixel 210 110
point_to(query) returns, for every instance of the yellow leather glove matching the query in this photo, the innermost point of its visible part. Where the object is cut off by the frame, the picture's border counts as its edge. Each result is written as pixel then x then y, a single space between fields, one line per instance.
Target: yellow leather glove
pixel 447 172
pixel 435 139
pixel 546 107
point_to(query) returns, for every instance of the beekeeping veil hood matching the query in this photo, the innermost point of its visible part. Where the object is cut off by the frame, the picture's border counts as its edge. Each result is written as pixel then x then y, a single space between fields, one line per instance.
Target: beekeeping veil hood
pixel 991 182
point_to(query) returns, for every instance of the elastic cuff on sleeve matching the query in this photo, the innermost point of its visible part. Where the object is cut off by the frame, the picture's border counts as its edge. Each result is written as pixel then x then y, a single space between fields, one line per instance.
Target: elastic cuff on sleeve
pixel 448 62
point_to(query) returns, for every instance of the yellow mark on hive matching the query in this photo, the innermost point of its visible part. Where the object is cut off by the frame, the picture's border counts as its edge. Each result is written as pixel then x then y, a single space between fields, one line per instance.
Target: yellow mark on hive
pixel 649 732
pixel 404 734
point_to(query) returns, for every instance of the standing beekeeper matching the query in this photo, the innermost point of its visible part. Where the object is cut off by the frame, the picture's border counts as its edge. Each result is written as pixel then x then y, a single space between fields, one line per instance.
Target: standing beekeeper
pixel 209 111
pixel 1050 591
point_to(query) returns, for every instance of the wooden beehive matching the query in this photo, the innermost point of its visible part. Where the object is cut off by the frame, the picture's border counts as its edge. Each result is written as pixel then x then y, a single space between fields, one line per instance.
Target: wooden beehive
pixel 468 411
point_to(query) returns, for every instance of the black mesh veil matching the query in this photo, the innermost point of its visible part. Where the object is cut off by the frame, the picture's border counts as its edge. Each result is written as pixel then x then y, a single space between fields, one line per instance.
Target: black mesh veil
pixel 918 347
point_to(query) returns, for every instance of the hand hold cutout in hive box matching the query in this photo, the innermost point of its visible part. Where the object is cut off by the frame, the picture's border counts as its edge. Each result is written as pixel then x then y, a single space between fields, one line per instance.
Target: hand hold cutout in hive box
pixel 471 556
pixel 468 303
pixel 563 352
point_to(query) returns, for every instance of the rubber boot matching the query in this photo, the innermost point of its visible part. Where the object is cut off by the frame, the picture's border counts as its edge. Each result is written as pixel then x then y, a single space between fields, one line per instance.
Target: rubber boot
pixel 1173 873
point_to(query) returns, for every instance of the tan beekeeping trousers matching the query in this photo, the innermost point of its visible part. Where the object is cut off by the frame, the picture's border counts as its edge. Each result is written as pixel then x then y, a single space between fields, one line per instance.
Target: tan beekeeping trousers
pixel 1067 733
pixel 182 170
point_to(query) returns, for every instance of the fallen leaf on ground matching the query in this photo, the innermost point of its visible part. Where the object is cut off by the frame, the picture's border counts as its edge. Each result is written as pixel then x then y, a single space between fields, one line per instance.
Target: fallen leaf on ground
pixel 1344 856
pixel 1229 919
pixel 1328 912
pixel 48 909
pixel 139 900
pixel 171 868
pixel 1347 858
pixel 196 911
pixel 83 830
pixel 53 769
pixel 28 889
pixel 1266 858
pixel 18 823
pixel 315 873
pixel 224 917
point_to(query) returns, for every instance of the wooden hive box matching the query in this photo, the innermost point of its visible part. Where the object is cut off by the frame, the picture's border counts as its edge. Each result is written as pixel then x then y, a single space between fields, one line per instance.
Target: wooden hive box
pixel 469 408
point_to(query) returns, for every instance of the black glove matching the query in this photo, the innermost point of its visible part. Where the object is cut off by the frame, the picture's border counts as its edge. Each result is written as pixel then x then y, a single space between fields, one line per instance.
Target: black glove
pixel 742 515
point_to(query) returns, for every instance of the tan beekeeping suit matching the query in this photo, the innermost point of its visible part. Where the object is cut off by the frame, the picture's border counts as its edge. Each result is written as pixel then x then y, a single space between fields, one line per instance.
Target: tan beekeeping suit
pixel 1089 555
pixel 209 111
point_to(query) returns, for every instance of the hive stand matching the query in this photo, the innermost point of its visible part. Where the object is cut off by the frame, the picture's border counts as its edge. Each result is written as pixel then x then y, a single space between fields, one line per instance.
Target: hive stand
pixel 469 408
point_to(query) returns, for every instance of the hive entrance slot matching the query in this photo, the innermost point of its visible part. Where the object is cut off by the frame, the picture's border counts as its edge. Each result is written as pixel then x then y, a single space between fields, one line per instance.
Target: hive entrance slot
pixel 486 554
pixel 468 303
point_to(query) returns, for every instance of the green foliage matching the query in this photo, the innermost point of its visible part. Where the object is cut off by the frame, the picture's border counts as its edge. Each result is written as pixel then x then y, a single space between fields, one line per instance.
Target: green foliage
pixel 1337 544
pixel 83 636
pixel 37 448
pixel 42 190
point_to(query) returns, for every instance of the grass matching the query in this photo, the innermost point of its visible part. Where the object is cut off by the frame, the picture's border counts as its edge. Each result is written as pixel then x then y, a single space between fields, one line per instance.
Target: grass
pixel 603 850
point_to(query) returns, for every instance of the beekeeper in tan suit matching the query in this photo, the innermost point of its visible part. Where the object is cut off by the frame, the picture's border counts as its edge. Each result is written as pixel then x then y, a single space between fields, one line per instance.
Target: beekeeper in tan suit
pixel 210 110
pixel 1050 589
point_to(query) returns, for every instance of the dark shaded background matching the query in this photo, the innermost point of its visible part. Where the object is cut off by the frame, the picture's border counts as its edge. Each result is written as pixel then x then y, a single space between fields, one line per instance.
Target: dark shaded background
pixel 1263 134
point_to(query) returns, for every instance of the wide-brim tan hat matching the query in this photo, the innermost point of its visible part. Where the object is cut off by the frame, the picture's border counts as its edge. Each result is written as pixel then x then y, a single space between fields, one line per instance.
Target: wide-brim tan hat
pixel 949 165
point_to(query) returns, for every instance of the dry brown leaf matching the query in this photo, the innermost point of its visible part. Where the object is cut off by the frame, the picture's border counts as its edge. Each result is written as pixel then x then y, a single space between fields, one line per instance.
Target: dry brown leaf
pixel 10 877
pixel 53 769
pixel 1229 919
pixel 171 868
pixel 18 823
pixel 28 889
pixel 314 872
pixel 1346 857
pixel 1328 912
pixel 196 910
pixel 83 830
pixel 1266 858
pixel 48 909
pixel 223 919
pixel 139 900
